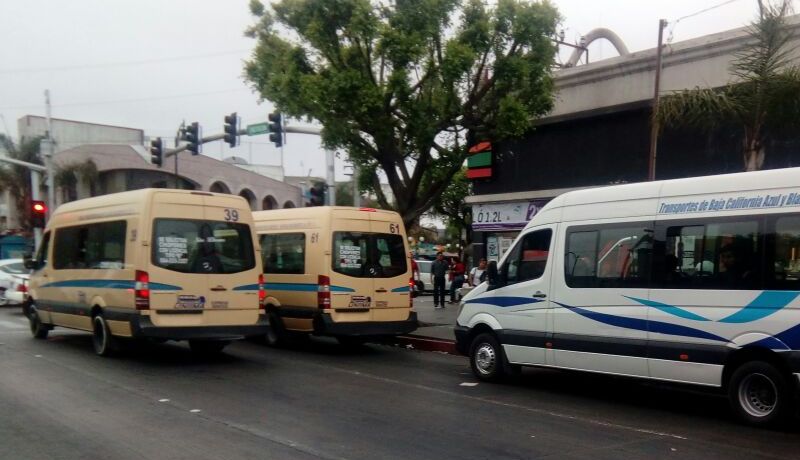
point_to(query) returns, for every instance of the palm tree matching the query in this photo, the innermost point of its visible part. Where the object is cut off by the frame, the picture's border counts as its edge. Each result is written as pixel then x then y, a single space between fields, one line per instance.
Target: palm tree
pixel 67 176
pixel 763 97
pixel 17 179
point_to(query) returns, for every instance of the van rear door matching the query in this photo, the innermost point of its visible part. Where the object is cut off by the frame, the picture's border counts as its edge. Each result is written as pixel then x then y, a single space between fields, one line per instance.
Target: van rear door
pixel 390 254
pixel 352 285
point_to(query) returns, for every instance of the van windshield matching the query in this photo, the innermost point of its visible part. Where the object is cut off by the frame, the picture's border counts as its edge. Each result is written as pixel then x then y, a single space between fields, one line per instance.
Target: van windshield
pixel 369 255
pixel 202 246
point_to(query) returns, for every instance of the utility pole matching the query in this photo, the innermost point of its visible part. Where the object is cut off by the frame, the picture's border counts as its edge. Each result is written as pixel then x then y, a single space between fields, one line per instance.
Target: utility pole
pixel 49 145
pixel 330 178
pixel 356 193
pixel 178 137
pixel 651 170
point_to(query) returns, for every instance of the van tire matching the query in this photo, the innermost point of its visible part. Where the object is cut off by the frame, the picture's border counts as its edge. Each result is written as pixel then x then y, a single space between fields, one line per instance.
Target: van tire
pixel 103 342
pixel 486 358
pixel 208 347
pixel 759 394
pixel 276 334
pixel 38 329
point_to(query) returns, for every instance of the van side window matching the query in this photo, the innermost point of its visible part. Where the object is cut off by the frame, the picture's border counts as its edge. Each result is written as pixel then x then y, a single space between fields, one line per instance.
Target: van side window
pixel 41 256
pixel 609 257
pixel 93 246
pixel 783 254
pixel 528 259
pixel 724 254
pixel 284 253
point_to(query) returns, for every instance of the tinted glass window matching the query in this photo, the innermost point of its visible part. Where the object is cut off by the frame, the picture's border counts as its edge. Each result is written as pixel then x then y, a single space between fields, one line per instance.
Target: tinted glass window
pixel 609 257
pixel 202 246
pixel 713 255
pixel 95 246
pixel 41 256
pixel 528 259
pixel 783 263
pixel 284 253
pixel 369 255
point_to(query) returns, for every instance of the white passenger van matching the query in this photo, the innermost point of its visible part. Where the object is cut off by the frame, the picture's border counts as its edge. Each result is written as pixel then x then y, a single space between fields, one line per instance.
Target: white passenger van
pixel 690 280
pixel 336 271
pixel 153 263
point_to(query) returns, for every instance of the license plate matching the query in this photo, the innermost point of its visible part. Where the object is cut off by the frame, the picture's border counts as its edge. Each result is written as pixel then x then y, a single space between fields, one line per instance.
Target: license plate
pixel 190 302
pixel 359 302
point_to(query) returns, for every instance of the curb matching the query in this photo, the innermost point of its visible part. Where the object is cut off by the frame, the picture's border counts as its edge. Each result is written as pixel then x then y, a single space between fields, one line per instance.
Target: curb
pixel 427 344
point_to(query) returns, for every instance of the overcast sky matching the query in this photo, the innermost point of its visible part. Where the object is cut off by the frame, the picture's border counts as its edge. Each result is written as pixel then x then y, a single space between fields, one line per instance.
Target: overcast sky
pixel 150 64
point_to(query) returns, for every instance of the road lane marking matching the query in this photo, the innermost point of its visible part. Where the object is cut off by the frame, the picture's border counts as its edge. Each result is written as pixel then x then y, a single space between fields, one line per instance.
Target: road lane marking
pixel 163 400
pixel 468 384
pixel 194 411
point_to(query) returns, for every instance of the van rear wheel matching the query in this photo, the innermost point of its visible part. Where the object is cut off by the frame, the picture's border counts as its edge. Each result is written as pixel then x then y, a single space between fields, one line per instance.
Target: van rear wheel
pixel 276 334
pixel 759 394
pixel 102 340
pixel 38 329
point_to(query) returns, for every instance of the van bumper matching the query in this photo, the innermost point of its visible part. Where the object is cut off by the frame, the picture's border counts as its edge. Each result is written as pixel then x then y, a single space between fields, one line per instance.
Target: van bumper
pixel 324 325
pixel 141 326
pixel 462 337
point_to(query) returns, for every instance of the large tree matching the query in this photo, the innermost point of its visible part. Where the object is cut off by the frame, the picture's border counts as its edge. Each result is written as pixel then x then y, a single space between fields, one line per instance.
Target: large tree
pixel 402 86
pixel 763 98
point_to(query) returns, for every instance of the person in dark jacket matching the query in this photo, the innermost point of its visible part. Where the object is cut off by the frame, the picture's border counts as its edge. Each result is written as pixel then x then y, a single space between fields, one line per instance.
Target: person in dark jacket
pixel 439 269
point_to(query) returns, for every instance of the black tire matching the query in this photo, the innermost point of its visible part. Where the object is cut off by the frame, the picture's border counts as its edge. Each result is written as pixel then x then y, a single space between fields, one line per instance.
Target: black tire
pixel 208 347
pixel 486 358
pixel 276 334
pixel 39 330
pixel 759 394
pixel 103 342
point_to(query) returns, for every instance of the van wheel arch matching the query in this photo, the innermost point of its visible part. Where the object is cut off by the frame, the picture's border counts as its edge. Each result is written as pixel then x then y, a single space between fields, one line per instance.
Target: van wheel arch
pixel 742 356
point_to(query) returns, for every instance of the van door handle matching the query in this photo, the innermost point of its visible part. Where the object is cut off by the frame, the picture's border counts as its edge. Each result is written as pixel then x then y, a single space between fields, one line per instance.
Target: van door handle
pixel 219 288
pixel 540 295
pixel 380 290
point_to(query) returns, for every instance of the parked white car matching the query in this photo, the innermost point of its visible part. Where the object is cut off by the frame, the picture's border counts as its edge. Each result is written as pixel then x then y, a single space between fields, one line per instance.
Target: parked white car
pixel 13 281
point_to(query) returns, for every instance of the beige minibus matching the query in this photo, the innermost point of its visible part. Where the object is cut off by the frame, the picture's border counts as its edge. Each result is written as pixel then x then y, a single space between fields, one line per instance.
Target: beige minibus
pixel 336 271
pixel 152 263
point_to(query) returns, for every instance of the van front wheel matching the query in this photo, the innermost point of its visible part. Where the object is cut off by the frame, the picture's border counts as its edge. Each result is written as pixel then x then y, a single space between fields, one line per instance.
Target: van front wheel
pixel 38 329
pixel 102 340
pixel 759 394
pixel 486 358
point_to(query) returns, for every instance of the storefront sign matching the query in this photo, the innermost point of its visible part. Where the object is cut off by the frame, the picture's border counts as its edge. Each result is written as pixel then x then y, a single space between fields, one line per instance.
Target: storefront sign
pixel 504 216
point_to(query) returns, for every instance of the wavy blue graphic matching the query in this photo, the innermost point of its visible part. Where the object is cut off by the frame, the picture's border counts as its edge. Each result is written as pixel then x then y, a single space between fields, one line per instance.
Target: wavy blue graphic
pixel 767 303
pixel 504 301
pixel 643 324
pixel 400 289
pixel 303 287
pixel 670 309
pixel 111 284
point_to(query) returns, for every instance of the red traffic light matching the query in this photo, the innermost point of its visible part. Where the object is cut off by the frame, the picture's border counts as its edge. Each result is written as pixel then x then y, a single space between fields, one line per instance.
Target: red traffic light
pixel 39 207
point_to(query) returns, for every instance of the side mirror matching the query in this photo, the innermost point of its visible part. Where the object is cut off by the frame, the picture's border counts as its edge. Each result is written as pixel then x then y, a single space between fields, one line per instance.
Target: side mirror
pixel 492 276
pixel 28 262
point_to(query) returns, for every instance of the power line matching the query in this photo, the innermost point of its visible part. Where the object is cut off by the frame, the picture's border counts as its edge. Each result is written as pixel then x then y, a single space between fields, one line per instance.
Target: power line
pixel 124 101
pixel 121 63
pixel 675 22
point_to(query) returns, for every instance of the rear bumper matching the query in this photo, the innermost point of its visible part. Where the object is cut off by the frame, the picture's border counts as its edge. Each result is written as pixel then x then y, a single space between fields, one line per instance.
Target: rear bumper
pixel 324 325
pixel 141 326
pixel 462 335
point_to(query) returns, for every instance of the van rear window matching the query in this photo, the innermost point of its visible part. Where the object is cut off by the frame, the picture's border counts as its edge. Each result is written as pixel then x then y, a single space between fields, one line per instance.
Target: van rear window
pixel 202 246
pixel 369 255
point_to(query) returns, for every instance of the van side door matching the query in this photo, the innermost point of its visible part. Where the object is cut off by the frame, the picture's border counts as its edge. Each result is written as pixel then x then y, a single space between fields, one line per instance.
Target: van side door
pixel 521 300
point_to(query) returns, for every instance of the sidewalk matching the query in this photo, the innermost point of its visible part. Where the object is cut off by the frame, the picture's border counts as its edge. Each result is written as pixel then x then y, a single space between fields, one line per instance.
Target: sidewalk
pixel 435 332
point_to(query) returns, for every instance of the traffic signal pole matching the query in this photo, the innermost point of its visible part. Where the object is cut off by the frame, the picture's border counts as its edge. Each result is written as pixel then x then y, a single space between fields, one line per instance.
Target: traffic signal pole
pixel 36 180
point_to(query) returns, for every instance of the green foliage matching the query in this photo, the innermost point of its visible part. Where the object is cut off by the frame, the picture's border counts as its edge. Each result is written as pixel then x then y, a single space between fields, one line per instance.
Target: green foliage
pixel 451 205
pixel 401 85
pixel 763 97
pixel 17 179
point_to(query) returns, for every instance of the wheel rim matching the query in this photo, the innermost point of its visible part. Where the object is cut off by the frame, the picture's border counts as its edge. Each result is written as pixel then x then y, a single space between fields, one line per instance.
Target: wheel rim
pixel 99 336
pixel 485 359
pixel 758 395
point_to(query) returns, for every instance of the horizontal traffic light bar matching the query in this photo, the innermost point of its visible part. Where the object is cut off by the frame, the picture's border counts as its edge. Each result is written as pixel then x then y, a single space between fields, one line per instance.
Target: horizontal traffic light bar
pixel 217 137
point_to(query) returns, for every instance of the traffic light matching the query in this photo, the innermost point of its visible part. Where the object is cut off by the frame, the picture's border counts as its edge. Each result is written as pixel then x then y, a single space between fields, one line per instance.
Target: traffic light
pixel 317 193
pixel 275 128
pixel 194 138
pixel 38 213
pixel 156 151
pixel 232 130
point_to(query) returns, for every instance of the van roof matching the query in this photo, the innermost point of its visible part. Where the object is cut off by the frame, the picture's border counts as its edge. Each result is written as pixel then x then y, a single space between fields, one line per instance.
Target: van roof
pixel 314 212
pixel 130 197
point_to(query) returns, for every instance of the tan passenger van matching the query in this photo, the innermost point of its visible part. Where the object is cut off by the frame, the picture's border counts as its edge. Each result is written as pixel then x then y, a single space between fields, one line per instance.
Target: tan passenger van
pixel 336 271
pixel 153 263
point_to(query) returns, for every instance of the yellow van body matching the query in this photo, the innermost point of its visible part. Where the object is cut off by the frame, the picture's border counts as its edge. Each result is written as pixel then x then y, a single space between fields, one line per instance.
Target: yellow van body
pixel 356 258
pixel 151 263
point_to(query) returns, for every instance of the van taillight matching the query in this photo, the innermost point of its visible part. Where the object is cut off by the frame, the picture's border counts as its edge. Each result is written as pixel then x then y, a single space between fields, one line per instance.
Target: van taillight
pixel 411 286
pixel 262 294
pixel 323 292
pixel 141 290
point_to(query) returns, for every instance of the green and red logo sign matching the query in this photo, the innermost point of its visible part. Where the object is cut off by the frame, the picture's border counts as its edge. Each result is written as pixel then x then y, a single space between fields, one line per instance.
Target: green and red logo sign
pixel 479 161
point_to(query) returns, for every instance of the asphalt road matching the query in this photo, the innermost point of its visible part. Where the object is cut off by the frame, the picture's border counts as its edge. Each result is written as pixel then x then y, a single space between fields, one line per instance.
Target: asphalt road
pixel 320 400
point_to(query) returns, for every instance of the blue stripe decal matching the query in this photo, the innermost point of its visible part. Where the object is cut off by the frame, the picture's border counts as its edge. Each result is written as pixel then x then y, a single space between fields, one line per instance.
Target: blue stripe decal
pixel 400 289
pixel 767 303
pixel 790 337
pixel 111 284
pixel 769 342
pixel 643 325
pixel 246 287
pixel 504 301
pixel 670 309
pixel 302 287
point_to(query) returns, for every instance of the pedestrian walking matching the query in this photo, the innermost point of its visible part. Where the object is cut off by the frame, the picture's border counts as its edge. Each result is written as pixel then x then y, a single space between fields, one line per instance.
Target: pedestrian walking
pixel 439 269
pixel 458 272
